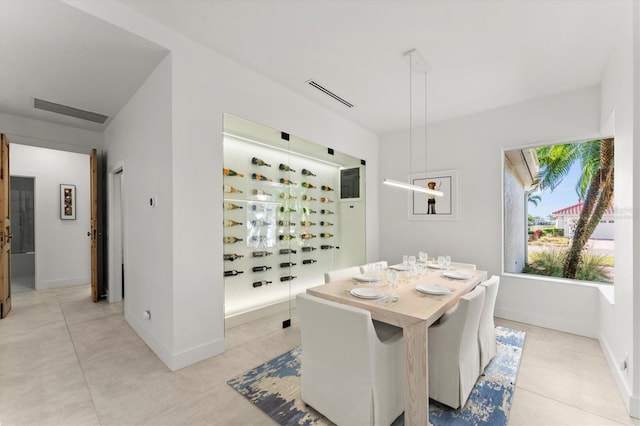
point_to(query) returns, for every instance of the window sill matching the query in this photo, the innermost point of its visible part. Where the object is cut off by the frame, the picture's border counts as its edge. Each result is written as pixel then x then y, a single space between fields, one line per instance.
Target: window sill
pixel 606 290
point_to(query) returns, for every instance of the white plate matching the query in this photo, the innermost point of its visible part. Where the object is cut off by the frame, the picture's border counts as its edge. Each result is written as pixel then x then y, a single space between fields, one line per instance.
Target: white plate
pixel 436 266
pixel 456 275
pixel 366 278
pixel 432 289
pixel 367 293
pixel 401 267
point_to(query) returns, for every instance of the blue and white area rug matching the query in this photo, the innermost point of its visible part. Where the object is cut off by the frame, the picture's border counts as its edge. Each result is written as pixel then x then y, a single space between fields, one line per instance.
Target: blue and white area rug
pixel 274 387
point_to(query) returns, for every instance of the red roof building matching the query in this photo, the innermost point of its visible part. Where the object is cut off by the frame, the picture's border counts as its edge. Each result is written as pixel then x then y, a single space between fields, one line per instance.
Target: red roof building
pixel 567 217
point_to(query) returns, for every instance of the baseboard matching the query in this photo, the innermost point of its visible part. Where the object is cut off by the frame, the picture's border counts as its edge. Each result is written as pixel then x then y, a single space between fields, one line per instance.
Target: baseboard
pixel 65 282
pixel 244 317
pixel 554 323
pixel 632 404
pixel 174 361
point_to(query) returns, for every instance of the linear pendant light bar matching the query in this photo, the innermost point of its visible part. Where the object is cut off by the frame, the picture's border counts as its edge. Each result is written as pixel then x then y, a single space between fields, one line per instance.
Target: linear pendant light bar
pixel 411 187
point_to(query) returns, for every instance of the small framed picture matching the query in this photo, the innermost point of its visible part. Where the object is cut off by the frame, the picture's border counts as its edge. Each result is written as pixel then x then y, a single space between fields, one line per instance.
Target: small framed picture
pixel 429 207
pixel 67 202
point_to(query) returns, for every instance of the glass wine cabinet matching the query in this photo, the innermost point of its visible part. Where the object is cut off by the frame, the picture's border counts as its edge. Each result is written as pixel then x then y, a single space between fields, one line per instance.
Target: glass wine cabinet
pixel 286 220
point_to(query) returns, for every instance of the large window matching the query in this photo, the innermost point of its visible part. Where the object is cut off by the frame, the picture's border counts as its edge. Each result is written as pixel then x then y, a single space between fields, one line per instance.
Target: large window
pixel 559 210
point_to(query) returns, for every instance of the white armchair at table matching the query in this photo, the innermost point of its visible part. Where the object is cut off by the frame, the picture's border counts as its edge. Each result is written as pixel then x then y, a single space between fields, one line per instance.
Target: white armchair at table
pixel 367 267
pixel 487 329
pixel 454 358
pixel 341 274
pixel 348 374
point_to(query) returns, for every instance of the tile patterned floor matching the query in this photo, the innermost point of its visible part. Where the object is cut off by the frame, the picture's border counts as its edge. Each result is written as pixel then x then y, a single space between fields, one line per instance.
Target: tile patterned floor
pixel 67 361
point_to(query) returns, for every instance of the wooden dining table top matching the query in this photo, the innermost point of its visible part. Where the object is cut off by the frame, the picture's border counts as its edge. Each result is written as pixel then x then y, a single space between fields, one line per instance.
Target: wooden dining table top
pixel 412 306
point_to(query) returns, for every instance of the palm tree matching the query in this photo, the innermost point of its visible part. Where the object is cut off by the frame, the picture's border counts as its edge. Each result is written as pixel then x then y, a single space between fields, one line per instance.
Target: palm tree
pixel 533 199
pixel 595 186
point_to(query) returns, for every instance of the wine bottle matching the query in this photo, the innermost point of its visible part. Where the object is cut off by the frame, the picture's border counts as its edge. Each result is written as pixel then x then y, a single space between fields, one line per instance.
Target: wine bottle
pixel 323 223
pixel 230 240
pixel 232 273
pixel 326 200
pixel 287 278
pixel 257 207
pixel 260 192
pixel 307 185
pixel 261 268
pixel 261 253
pixel 307 210
pixel 306 223
pixel 261 283
pixel 258 176
pixel 232 257
pixel 323 211
pixel 259 223
pixel 287 196
pixel 306 197
pixel 307 236
pixel 258 162
pixel 229 172
pixel 286 223
pixel 307 249
pixel 325 235
pixel 326 188
pixel 230 189
pixel 286 237
pixel 287 182
pixel 307 172
pixel 258 238
pixel 287 264
pixel 308 261
pixel 287 251
pixel 325 247
pixel 231 206
pixel 284 209
pixel 286 168
pixel 229 222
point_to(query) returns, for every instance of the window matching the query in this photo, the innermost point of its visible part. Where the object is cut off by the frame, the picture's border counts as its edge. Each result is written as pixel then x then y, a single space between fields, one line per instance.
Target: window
pixel 551 200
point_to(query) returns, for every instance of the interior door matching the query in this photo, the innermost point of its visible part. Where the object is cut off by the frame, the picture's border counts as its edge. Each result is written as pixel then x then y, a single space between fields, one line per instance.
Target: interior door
pixel 93 233
pixel 5 229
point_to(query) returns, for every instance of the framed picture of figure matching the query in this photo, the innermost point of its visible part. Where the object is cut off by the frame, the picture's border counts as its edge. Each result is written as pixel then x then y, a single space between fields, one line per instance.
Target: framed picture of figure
pixel 429 207
pixel 67 202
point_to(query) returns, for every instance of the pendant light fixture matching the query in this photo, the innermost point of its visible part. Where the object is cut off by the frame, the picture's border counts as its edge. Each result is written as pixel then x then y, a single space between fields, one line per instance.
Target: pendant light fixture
pixel 416 61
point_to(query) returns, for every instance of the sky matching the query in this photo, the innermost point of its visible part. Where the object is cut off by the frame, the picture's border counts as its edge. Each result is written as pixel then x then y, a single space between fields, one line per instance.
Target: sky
pixel 563 196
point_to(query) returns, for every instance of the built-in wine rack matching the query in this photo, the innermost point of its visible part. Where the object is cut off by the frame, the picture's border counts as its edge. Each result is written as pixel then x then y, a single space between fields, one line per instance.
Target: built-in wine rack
pixel 280 221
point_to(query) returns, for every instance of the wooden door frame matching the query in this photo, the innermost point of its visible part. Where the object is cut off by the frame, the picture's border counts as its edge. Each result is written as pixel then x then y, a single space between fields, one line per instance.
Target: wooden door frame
pixel 5 229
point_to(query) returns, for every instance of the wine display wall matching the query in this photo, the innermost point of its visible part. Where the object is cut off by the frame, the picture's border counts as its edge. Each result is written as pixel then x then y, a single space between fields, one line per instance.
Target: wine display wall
pixel 281 224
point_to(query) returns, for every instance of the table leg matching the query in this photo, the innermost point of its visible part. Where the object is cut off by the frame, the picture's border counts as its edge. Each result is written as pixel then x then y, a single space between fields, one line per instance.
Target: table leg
pixel 416 383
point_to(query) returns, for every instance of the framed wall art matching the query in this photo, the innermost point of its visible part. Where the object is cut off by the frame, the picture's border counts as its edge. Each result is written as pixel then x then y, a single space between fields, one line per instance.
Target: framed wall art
pixel 68 202
pixel 428 207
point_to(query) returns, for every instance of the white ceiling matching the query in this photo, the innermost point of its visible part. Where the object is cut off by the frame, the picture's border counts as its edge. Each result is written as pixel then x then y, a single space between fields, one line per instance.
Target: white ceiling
pixel 484 54
pixel 55 52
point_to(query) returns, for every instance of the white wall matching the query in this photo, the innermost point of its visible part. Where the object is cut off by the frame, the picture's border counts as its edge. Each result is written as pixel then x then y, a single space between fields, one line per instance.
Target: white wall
pixel 474 145
pixel 618 320
pixel 205 85
pixel 138 140
pixel 62 247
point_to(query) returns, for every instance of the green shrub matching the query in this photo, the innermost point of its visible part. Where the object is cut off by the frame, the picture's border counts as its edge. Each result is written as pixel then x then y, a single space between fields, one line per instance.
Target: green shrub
pixel 550 263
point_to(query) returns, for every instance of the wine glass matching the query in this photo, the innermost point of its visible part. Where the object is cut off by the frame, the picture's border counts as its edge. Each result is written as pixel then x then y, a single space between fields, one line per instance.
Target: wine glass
pixel 405 259
pixel 447 261
pixel 441 261
pixel 392 279
pixel 412 265
pixel 423 256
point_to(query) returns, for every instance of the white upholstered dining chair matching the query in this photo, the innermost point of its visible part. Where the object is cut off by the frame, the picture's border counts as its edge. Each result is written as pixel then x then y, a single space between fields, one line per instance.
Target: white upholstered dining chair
pixel 487 329
pixel 454 358
pixel 341 274
pixel 366 268
pixel 348 374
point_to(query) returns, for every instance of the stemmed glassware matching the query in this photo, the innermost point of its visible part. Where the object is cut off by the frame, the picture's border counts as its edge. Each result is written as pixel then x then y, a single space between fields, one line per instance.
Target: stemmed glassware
pixel 441 261
pixel 392 279
pixel 412 265
pixel 447 261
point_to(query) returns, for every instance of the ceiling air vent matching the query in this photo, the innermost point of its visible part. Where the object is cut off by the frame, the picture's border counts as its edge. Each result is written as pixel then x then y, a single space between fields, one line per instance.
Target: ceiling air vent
pixel 70 111
pixel 326 91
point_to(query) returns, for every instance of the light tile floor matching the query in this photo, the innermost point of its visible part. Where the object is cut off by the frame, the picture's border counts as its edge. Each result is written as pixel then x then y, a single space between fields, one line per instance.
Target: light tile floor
pixel 67 361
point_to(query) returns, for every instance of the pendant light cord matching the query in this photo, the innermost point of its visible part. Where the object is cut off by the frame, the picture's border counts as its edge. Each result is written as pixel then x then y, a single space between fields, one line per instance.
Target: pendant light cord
pixel 410 115
pixel 426 168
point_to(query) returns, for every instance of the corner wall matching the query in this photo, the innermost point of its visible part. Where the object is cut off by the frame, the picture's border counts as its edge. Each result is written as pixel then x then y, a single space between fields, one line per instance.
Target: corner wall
pixel 474 146
pixel 203 86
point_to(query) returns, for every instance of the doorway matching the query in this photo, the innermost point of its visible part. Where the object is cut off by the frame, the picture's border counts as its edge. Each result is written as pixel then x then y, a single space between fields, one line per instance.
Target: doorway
pixel 116 235
pixel 23 261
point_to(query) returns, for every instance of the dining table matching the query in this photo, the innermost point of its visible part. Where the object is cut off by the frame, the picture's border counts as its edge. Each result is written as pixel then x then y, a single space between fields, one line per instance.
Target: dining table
pixel 413 311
